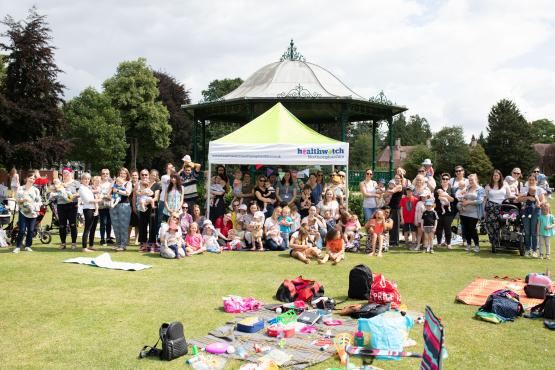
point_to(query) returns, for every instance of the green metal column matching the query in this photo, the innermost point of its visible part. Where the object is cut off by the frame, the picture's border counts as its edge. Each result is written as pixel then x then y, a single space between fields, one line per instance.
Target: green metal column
pixel 194 139
pixel 204 151
pixel 374 129
pixel 343 118
pixel 390 132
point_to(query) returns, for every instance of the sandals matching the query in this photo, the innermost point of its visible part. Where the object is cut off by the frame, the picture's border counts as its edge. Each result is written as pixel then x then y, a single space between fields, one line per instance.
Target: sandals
pixel 62 247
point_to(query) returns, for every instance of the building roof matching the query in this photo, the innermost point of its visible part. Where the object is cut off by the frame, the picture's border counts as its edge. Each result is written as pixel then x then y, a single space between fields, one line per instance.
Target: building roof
pixel 542 149
pixel 400 154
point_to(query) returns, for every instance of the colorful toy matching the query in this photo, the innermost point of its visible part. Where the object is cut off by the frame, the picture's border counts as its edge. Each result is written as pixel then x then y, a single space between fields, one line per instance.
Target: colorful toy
pixel 217 348
pixel 341 341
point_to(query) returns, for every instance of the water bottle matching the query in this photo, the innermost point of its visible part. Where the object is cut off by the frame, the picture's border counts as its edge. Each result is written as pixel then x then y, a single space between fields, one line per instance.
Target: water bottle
pixel 359 339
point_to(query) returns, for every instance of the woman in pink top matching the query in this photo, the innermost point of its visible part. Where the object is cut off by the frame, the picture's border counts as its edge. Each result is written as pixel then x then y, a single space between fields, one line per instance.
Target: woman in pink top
pixel 193 241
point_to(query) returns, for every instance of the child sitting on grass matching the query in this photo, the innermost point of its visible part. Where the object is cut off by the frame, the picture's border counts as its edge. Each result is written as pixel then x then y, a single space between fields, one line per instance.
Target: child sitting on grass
pixel 335 247
pixel 301 247
pixel 351 231
pixel 375 228
pixel 171 239
pixel 210 239
pixel 193 241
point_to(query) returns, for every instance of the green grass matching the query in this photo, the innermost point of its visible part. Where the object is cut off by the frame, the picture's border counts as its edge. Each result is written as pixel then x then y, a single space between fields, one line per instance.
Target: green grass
pixel 55 315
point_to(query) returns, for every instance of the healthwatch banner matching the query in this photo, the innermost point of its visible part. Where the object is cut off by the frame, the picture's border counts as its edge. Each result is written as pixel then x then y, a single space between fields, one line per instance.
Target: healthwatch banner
pixel 269 154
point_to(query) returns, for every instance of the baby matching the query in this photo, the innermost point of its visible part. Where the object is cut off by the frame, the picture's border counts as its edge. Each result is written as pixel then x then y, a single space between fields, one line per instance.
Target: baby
pixel 234 240
pixel 270 194
pixel 351 234
pixel 459 194
pixel 444 200
pixel 60 190
pixel 513 186
pixel 542 183
pixel 237 184
pixel 529 206
pixel 241 216
pixel 143 201
pixel 257 230
pixel 118 186
pixel 217 188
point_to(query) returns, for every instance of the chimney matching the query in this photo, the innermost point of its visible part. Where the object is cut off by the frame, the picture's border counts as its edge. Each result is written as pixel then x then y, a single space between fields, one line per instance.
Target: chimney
pixel 473 142
pixel 429 143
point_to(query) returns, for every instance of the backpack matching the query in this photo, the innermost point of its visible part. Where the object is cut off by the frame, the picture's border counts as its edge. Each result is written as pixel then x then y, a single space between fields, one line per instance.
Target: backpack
pixel 504 303
pixel 173 340
pixel 360 281
pixel 546 308
pixel 299 289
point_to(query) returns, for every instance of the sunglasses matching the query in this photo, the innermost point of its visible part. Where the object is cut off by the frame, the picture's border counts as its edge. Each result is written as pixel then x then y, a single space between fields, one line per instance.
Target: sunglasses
pixel 445 178
pixel 536 171
pixel 320 175
pixel 144 174
pixel 459 170
pixel 421 171
pixel 516 173
pixel 369 173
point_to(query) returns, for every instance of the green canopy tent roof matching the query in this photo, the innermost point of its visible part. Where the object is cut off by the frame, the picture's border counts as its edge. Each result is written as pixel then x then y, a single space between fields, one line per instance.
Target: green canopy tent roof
pixel 277 137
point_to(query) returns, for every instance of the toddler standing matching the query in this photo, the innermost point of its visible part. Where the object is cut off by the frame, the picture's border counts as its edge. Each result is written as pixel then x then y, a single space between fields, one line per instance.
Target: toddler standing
pixel 546 225
pixel 429 225
pixel 285 223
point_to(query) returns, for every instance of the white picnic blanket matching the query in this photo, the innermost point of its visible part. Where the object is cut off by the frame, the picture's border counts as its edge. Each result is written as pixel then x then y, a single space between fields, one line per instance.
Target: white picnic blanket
pixel 105 261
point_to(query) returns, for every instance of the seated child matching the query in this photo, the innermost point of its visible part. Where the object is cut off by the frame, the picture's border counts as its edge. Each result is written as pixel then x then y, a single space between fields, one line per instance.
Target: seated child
pixel 257 229
pixel 194 241
pixel 234 240
pixel 171 239
pixel 351 234
pixel 334 246
pixel 209 239
pixel 329 220
pixel 185 220
pixel 375 229
pixel 444 200
pixel 118 186
pixel 296 218
pixel 306 201
pixel 301 247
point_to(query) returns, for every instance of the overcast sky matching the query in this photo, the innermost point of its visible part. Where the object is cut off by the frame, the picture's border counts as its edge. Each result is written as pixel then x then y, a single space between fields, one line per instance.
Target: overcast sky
pixel 448 61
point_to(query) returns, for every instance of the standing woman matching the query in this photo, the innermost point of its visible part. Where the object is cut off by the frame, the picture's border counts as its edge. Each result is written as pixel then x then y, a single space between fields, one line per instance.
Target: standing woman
pixel 530 193
pixel 142 189
pixel 104 208
pixel 29 201
pixel 198 217
pixel 89 207
pixel 445 212
pixel 287 190
pixel 471 210
pixel 14 181
pixel 154 224
pixel 368 189
pixel 497 191
pixel 396 192
pixel 121 213
pixel 174 196
pixel 134 221
pixel 67 208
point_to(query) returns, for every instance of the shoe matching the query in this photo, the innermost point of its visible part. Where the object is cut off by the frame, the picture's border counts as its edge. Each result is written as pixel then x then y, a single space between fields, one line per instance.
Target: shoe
pixel 62 246
pixel 28 249
pixel 547 256
pixel 427 249
pixel 534 254
pixel 528 254
pixel 103 242
pixel 120 249
pixel 110 242
pixel 467 248
pixel 449 246
pixel 413 248
pixel 541 256
pixel 431 251
pixel 16 250
pixel 73 245
pixel 476 249
pixel 87 250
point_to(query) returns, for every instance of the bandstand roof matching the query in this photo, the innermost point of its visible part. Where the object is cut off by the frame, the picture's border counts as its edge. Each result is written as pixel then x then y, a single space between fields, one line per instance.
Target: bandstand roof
pixel 309 91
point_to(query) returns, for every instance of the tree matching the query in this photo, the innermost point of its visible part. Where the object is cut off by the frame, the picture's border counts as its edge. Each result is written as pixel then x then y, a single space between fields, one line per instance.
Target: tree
pixel 31 121
pixel 3 60
pixel 132 90
pixel 96 129
pixel 173 94
pixel 480 164
pixel 414 132
pixel 543 131
pixel 452 149
pixel 218 88
pixel 482 140
pixel 416 157
pixel 360 155
pixel 509 142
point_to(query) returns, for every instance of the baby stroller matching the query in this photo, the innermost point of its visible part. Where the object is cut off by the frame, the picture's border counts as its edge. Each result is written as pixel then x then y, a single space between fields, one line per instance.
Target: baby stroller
pixel 511 235
pixel 11 229
pixel 5 222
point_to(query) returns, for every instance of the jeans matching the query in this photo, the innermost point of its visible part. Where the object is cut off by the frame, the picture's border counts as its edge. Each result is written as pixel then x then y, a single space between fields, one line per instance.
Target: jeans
pixel 90 227
pixel 368 213
pixel 531 230
pixel 273 246
pixel 121 216
pixel 105 224
pixel 25 224
pixel 68 213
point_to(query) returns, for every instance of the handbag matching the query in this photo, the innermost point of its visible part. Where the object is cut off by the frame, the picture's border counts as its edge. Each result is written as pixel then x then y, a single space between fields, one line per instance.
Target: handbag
pixel 384 292
pixel 236 304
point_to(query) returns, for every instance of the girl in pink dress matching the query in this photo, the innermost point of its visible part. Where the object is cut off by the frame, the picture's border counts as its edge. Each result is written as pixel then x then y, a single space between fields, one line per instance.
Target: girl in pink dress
pixel 193 241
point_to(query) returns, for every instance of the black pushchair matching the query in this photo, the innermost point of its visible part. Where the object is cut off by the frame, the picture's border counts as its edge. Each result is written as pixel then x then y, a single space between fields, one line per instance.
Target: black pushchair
pixel 511 230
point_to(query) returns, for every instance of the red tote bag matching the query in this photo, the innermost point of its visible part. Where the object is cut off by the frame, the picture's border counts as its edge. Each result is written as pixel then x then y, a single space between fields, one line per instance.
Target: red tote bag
pixel 384 291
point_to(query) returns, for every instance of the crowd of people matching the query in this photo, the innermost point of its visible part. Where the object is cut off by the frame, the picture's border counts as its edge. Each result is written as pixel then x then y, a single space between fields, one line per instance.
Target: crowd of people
pixel 282 212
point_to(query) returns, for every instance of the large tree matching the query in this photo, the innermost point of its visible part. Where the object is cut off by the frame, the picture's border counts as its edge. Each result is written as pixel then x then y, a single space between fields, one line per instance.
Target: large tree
pixel 480 164
pixel 31 121
pixel 509 142
pixel 216 89
pixel 415 158
pixel 543 131
pixel 415 131
pixel 96 130
pixel 451 148
pixel 173 94
pixel 132 90
pixel 360 151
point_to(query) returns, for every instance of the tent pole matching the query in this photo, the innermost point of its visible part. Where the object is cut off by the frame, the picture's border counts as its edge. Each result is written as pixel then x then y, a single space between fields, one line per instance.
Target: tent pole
pixel 207 190
pixel 347 187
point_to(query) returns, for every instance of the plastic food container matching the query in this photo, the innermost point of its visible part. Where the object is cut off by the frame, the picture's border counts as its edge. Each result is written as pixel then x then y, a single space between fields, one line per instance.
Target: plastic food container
pixel 275 330
pixel 250 325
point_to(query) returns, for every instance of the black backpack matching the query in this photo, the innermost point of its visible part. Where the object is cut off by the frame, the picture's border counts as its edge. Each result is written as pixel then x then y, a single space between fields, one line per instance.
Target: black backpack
pixel 505 303
pixel 173 340
pixel 546 308
pixel 360 281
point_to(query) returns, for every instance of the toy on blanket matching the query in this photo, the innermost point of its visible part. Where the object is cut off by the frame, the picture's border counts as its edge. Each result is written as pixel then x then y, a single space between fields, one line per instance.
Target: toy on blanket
pixel 341 342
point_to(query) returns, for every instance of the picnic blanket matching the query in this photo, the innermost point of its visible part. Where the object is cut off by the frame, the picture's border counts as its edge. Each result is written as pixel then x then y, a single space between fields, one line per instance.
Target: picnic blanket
pixel 303 352
pixel 105 261
pixel 478 291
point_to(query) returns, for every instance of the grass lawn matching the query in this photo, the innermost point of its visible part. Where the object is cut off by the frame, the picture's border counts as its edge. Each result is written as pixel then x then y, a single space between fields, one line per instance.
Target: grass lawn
pixel 55 315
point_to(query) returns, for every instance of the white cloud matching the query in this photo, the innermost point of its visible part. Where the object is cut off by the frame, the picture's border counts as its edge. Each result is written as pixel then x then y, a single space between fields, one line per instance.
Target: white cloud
pixel 449 61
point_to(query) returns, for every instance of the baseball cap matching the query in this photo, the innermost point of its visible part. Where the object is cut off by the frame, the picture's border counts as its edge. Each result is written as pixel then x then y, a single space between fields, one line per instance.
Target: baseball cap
pixel 186 158
pixel 410 188
pixel 429 202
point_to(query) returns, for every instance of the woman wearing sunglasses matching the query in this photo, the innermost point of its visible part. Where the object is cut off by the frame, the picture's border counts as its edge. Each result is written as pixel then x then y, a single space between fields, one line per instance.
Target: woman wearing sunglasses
pixel 369 190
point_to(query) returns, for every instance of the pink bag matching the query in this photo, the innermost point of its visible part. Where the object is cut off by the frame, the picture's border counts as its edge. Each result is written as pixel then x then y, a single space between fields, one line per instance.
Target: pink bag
pixel 540 279
pixel 236 304
pixel 384 291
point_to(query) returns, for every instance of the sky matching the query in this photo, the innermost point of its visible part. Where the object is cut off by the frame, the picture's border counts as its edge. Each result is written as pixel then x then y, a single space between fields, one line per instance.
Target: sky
pixel 448 61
